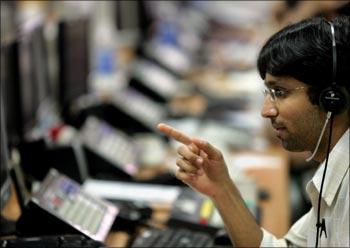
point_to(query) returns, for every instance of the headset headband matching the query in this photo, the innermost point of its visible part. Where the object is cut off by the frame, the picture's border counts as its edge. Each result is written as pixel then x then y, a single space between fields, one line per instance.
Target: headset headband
pixel 334 53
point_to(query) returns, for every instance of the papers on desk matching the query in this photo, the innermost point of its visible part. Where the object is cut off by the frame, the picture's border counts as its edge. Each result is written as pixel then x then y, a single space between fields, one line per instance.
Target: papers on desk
pixel 249 160
pixel 240 163
pixel 145 193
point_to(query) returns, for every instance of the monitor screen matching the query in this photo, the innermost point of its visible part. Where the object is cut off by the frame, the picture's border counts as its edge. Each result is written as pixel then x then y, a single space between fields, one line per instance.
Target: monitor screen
pixel 10 90
pixel 35 87
pixel 73 60
pixel 127 15
pixel 24 76
pixel 28 88
pixel 39 59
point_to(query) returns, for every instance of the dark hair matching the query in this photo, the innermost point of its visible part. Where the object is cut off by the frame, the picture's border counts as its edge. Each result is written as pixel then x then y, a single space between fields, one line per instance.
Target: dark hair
pixel 304 52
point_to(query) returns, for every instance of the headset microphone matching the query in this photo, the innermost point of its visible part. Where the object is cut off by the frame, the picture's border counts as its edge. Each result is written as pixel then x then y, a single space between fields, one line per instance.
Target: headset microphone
pixel 329 114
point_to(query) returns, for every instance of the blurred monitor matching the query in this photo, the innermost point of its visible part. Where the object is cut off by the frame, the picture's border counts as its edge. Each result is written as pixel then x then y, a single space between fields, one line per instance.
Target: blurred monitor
pixel 24 79
pixel 133 15
pixel 39 58
pixel 35 87
pixel 73 60
pixel 10 90
pixel 127 15
pixel 133 20
pixel 5 182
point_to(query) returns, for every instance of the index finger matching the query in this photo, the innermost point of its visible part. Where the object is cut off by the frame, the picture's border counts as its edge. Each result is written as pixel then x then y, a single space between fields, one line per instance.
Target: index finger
pixel 174 133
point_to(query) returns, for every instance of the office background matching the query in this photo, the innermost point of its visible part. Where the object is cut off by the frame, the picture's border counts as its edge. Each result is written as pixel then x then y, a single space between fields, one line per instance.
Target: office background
pixel 84 83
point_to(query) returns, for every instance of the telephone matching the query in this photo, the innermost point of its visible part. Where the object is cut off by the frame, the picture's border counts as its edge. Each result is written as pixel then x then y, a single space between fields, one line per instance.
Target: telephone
pixel 135 112
pixel 61 207
pixel 153 81
pixel 128 110
pixel 196 212
pixel 108 150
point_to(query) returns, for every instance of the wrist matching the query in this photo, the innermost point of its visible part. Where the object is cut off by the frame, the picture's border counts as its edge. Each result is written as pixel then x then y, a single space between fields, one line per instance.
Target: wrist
pixel 223 190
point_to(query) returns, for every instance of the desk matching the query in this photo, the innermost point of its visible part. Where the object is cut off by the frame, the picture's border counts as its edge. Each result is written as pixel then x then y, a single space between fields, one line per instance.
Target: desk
pixel 275 210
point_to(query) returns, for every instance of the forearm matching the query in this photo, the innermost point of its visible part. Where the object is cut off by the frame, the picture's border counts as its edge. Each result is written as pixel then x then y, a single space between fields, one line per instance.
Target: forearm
pixel 239 222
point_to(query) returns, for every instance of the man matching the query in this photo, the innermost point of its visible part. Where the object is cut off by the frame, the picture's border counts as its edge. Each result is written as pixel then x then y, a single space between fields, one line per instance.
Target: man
pixel 297 66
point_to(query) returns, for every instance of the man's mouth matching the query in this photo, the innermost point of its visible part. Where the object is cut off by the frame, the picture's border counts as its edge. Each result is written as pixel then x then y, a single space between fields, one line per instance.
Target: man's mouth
pixel 279 130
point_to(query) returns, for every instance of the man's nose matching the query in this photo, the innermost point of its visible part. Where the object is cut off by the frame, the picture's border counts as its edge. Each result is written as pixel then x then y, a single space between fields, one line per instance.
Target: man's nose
pixel 268 109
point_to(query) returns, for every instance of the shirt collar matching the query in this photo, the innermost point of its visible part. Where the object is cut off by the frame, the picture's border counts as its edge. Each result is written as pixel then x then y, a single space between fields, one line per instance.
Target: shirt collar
pixel 338 164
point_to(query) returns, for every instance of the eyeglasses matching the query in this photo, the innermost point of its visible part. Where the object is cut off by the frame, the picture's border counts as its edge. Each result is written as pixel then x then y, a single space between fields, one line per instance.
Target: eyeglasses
pixel 279 93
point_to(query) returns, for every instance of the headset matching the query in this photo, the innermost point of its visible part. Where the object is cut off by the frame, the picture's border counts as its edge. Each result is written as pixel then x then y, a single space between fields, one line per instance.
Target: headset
pixel 333 100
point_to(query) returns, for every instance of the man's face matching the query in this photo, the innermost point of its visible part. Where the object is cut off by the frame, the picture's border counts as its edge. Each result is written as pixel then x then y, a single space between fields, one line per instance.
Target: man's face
pixel 296 121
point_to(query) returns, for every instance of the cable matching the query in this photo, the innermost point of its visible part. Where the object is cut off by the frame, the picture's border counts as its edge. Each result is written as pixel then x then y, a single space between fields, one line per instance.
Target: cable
pixel 322 224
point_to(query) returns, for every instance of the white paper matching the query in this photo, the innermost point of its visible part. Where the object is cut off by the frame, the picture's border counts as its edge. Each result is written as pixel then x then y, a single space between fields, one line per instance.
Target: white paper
pixel 146 193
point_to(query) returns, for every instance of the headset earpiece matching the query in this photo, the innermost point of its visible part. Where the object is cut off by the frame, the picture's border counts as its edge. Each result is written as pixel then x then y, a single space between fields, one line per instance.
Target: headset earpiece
pixel 334 99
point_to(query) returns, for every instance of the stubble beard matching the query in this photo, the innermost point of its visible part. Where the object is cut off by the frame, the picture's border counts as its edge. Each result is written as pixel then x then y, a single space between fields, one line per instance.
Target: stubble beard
pixel 308 134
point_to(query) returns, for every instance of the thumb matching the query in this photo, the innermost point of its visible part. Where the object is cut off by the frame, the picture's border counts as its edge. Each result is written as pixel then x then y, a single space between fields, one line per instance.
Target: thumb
pixel 207 149
pixel 194 148
pixel 203 154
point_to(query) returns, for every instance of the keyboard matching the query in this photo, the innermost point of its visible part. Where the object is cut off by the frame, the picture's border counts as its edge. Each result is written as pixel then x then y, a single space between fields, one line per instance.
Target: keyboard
pixel 172 237
pixel 62 241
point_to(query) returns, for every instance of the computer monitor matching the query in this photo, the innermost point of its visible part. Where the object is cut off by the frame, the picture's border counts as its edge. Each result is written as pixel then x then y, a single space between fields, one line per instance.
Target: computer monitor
pixel 39 57
pixel 133 21
pixel 25 79
pixel 5 182
pixel 73 53
pixel 10 90
pixel 128 15
pixel 35 87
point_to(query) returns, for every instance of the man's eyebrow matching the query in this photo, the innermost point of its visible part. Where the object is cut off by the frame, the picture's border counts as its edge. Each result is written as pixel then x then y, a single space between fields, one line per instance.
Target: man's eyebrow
pixel 270 83
pixel 275 83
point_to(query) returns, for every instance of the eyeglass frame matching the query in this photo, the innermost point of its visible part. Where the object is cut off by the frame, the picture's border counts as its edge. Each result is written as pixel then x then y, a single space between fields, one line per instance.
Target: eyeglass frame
pixel 272 92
